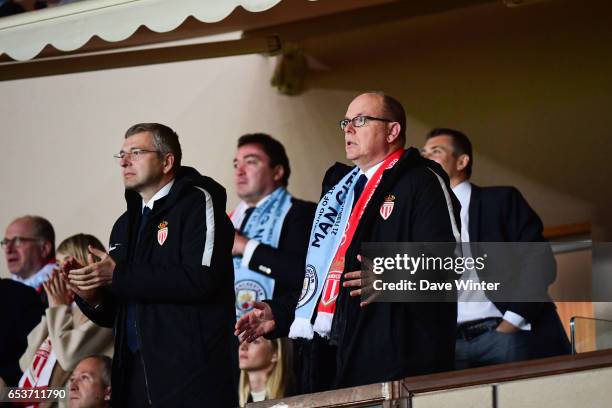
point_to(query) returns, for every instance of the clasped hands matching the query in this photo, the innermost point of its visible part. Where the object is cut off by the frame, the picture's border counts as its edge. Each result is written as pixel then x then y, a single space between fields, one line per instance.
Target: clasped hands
pixel 86 281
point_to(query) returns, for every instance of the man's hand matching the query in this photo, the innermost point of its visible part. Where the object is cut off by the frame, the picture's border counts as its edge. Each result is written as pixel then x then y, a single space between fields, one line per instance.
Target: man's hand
pixel 256 323
pixel 507 327
pixel 240 242
pixel 58 292
pixel 354 280
pixel 95 275
pixel 69 264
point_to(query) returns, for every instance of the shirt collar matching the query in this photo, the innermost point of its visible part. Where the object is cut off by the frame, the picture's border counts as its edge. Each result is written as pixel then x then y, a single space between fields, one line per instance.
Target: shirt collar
pixel 243 206
pixel 371 171
pixel 463 191
pixel 160 194
pixel 238 214
pixel 35 281
pixel 263 200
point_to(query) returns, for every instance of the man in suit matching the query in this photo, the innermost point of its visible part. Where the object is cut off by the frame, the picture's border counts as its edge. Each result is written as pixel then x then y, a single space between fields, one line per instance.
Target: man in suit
pixel 272 226
pixel 490 331
pixel 272 231
pixel 378 341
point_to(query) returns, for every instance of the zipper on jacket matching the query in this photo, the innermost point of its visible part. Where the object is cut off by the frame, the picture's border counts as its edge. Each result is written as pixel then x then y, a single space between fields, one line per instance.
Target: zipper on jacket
pixel 144 368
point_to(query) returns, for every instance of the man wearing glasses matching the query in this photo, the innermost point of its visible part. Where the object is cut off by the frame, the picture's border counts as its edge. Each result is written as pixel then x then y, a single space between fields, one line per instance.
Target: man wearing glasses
pixel 166 284
pixel 30 257
pixel 29 248
pixel 391 195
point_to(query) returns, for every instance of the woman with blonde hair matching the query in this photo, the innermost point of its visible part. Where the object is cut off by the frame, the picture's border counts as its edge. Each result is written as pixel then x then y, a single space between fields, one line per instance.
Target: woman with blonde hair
pixel 65 335
pixel 265 370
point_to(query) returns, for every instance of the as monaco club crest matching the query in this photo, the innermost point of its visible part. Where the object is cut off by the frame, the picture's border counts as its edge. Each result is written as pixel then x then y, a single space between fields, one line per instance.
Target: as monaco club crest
pixel 162 232
pixel 387 206
pixel 332 283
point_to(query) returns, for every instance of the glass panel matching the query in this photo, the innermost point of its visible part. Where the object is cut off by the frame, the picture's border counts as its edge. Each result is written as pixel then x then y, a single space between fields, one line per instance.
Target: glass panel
pixel 590 334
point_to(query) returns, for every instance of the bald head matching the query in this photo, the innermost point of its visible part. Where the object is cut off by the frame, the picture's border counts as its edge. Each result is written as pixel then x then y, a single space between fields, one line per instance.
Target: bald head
pixel 381 132
pixel 29 245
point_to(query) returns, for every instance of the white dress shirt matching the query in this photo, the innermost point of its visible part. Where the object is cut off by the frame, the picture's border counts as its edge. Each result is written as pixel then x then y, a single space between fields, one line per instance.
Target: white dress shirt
pixel 474 305
pixel 161 193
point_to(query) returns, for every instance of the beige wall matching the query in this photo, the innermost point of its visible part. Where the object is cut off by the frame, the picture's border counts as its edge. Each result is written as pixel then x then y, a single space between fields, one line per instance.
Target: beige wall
pixel 60 133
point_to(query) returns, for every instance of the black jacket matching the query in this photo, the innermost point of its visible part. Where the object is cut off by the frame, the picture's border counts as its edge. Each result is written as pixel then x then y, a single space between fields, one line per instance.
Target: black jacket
pixel 20 310
pixel 183 291
pixel 501 214
pixel 385 341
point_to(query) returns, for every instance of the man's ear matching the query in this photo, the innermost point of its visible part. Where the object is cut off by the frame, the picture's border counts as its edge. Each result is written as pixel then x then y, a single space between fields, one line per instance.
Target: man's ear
pixel 462 162
pixel 393 132
pixel 47 249
pixel 107 393
pixel 278 173
pixel 168 162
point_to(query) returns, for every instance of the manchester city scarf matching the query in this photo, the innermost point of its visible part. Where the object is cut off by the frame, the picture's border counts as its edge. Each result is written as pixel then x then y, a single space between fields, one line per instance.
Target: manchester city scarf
pixel 330 237
pixel 264 225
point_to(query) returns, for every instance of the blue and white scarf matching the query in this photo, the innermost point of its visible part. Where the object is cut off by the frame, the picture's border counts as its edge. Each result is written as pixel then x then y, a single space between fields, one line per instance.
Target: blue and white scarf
pixel 332 215
pixel 264 225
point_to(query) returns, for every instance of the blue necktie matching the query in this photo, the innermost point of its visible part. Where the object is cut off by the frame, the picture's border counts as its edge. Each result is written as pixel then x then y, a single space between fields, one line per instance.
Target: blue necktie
pixel 358 188
pixel 143 221
pixel 130 322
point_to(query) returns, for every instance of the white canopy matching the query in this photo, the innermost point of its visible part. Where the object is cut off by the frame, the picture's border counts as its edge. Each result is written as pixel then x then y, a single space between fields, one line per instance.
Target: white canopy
pixel 69 27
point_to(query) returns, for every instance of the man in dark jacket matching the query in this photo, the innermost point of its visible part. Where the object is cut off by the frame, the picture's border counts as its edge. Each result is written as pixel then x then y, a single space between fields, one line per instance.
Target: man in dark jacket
pixel 272 226
pixel 492 331
pixel 380 341
pixel 272 231
pixel 20 312
pixel 167 285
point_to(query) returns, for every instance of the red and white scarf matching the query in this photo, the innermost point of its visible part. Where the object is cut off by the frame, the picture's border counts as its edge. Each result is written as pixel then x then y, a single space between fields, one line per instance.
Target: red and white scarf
pixel 323 242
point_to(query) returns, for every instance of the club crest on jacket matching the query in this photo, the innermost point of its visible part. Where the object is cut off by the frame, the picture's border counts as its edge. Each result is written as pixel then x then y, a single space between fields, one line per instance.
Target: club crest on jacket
pixel 162 232
pixel 387 206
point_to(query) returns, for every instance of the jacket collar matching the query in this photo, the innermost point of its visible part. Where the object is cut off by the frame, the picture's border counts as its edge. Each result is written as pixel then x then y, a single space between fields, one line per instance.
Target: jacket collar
pixel 186 176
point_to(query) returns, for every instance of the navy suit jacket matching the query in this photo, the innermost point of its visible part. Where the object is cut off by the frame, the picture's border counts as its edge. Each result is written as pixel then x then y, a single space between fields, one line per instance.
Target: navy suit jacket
pixel 501 214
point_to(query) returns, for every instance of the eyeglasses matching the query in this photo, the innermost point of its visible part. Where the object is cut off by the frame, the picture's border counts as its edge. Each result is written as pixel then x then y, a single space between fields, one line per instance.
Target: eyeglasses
pixel 359 121
pixel 134 155
pixel 16 241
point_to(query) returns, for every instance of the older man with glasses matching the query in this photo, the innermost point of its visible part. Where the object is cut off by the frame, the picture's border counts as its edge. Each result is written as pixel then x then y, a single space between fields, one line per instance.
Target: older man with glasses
pixel 390 195
pixel 29 248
